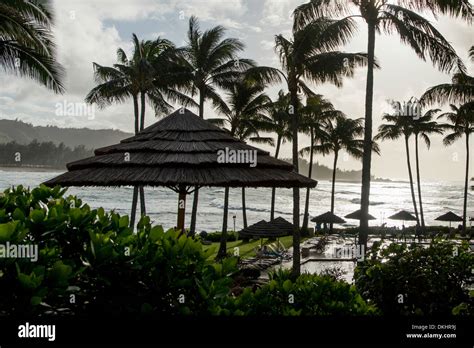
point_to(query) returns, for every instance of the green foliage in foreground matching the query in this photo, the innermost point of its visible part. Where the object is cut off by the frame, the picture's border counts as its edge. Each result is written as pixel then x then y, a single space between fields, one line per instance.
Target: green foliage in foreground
pixel 90 262
pixel 309 294
pixel 418 281
pixel 248 249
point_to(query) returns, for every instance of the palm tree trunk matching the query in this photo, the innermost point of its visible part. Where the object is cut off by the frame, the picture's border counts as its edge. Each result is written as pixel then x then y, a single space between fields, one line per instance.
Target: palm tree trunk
pixel 192 226
pixel 333 188
pixel 135 110
pixel 135 188
pixel 142 114
pixel 201 103
pixel 367 157
pixel 410 175
pixel 244 209
pixel 142 126
pixel 466 182
pixel 296 269
pixel 310 172
pixel 422 218
pixel 142 201
pixel 134 207
pixel 272 209
pixel 223 243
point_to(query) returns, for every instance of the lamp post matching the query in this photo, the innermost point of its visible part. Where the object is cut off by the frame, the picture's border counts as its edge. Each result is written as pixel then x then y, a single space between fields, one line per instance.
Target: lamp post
pixel 234 217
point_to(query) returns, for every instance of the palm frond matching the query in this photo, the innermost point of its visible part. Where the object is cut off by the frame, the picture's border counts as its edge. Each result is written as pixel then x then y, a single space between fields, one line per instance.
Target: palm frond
pixel 314 9
pixel 456 8
pixel 422 37
pixel 333 66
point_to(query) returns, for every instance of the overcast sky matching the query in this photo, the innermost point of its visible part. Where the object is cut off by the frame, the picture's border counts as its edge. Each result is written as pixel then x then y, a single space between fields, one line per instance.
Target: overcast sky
pixel 91 31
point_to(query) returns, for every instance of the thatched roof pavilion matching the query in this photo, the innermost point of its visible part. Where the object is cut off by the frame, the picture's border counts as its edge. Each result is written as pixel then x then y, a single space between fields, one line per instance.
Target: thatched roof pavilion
pixel 181 151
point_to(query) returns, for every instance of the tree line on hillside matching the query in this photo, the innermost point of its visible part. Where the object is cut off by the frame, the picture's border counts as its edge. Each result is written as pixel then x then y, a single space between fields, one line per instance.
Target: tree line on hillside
pixel 41 154
pixel 24 133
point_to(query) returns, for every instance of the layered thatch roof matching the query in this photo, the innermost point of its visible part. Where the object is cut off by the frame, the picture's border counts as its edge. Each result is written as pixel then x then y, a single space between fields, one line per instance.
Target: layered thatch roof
pixel 278 227
pixel 180 150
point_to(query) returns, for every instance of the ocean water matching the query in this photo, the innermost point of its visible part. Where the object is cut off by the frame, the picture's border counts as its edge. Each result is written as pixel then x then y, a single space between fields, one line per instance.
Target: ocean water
pixel 386 199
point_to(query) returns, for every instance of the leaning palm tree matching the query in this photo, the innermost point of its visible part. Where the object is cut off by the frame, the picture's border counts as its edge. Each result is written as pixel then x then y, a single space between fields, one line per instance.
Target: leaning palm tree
pixel 244 115
pixel 461 124
pixel 310 56
pixel 414 30
pixel 26 46
pixel 400 125
pixel 315 114
pixel 279 122
pixel 211 62
pixel 147 76
pixel 423 127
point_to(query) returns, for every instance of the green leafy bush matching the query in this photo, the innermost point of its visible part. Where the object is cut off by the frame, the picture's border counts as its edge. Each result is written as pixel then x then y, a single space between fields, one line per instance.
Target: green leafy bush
pixel 309 294
pixel 413 280
pixel 91 261
pixel 215 237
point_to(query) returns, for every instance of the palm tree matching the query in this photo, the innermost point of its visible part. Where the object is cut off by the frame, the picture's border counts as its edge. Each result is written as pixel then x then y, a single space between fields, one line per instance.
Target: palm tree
pixel 26 46
pixel 210 61
pixel 317 112
pixel 422 128
pixel 414 30
pixel 397 126
pixel 310 56
pixel 148 76
pixel 245 117
pixel 462 123
pixel 459 91
pixel 342 135
pixel 279 122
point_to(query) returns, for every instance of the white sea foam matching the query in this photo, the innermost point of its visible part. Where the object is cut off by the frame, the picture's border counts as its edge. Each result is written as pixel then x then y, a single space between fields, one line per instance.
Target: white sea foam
pixel 389 197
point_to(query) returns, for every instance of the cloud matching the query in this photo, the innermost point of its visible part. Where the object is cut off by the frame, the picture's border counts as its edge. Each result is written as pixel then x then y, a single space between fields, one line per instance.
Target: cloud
pixel 267 44
pixel 279 12
pixel 89 31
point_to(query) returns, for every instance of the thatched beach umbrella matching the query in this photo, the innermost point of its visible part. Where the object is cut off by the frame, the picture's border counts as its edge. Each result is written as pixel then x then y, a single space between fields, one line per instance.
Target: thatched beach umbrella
pixel 276 228
pixel 449 216
pixel 403 215
pixel 181 152
pixel 357 215
pixel 328 218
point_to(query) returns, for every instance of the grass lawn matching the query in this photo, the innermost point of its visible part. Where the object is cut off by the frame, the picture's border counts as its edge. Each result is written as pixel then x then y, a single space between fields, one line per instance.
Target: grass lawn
pixel 247 250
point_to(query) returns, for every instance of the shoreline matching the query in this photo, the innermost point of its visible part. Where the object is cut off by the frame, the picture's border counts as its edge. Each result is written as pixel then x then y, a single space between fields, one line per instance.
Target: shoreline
pixel 4 168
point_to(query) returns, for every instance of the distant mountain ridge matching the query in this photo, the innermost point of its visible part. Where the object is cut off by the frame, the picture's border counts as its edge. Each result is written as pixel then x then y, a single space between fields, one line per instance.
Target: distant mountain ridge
pixel 322 172
pixel 24 133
